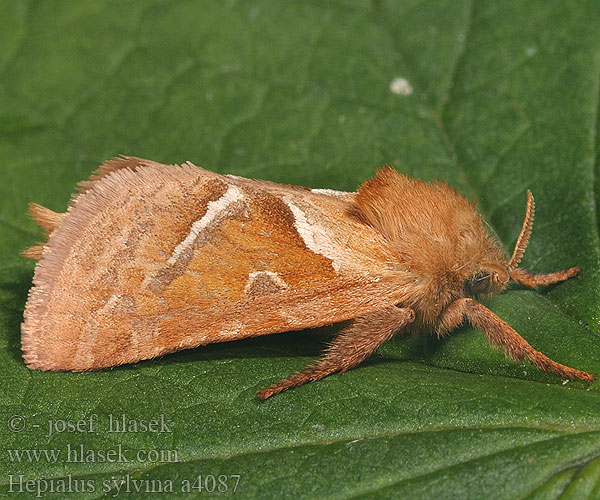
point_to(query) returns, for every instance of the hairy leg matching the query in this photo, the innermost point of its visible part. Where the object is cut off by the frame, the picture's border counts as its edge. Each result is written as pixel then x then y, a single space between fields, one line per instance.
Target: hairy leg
pixel 351 346
pixel 501 334
pixel 531 280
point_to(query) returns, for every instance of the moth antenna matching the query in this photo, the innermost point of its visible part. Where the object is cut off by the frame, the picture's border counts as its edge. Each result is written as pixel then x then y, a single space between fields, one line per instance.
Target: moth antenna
pixel 523 238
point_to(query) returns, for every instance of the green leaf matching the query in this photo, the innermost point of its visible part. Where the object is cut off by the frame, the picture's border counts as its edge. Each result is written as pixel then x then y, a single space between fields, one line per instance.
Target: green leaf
pixel 497 98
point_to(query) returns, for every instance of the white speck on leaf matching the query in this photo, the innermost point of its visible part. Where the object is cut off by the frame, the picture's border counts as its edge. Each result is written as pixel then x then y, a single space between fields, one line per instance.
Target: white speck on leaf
pixel 254 12
pixel 401 86
pixel 531 51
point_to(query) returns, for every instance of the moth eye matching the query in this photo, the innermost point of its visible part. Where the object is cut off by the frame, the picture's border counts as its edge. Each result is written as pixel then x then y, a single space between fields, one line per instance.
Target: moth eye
pixel 479 283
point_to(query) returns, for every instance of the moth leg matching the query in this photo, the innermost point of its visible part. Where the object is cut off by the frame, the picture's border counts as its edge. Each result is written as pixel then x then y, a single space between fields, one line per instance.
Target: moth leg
pixel 351 346
pixel 532 280
pixel 500 334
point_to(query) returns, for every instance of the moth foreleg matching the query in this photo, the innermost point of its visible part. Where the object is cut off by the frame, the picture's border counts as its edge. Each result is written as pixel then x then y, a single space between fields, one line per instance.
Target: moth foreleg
pixel 351 346
pixel 500 334
pixel 532 280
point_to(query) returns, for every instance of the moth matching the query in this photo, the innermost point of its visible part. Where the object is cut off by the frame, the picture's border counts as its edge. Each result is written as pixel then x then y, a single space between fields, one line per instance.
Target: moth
pixel 150 259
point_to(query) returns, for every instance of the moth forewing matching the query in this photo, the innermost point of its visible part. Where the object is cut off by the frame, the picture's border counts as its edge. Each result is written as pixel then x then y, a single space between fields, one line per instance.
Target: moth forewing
pixel 152 258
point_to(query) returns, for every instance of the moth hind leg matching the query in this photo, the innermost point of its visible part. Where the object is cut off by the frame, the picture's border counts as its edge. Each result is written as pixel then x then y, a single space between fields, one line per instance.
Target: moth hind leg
pixel 531 280
pixel 351 346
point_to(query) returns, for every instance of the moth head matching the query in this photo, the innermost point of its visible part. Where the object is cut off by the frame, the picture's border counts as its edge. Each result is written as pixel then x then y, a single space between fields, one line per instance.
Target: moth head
pixel 488 280
pixel 492 278
pixel 438 236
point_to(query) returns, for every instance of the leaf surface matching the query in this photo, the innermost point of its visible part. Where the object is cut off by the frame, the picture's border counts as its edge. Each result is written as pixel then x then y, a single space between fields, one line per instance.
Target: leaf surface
pixel 495 98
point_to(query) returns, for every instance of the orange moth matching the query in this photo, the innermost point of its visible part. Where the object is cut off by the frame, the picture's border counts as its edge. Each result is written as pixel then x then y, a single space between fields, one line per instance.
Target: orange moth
pixel 150 259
